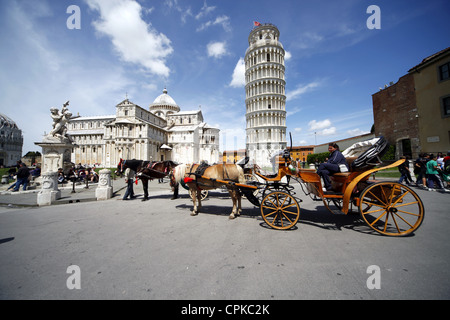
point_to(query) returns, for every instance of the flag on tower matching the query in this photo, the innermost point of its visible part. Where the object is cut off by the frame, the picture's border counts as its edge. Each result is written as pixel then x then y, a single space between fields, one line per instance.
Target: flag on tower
pixel 256 23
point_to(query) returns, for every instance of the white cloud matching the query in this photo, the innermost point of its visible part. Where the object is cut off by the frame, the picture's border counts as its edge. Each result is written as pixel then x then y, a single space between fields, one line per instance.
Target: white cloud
pixel 356 132
pixel 216 49
pixel 205 10
pixel 301 89
pixel 328 131
pixel 287 56
pixel 319 125
pixel 238 79
pixel 293 111
pixel 185 12
pixel 308 40
pixel 134 40
pixel 223 20
pixel 53 75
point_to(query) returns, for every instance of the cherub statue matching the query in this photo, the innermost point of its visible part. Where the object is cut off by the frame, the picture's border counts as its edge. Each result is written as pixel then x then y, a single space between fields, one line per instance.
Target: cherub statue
pixel 60 120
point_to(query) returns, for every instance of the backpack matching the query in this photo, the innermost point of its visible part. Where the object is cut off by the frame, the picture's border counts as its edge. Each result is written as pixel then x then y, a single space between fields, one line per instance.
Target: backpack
pixel 447 167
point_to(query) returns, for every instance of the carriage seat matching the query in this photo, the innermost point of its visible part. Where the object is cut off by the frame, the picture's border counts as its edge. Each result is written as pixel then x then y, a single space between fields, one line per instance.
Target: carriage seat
pixel 349 164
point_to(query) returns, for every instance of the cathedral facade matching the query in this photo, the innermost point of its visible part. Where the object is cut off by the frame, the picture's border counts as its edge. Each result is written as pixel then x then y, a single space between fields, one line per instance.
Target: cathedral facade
pixel 265 94
pixel 159 133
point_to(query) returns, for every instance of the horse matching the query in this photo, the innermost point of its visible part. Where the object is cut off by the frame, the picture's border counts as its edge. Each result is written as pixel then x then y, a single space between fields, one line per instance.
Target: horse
pixel 146 170
pixel 206 180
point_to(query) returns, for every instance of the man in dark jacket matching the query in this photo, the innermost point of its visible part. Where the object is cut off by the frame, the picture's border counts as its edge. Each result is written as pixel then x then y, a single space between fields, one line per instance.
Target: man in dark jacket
pixel 332 165
pixel 22 177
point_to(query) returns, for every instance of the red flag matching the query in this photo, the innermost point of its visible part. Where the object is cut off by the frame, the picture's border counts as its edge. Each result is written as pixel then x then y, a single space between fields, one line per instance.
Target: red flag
pixel 256 23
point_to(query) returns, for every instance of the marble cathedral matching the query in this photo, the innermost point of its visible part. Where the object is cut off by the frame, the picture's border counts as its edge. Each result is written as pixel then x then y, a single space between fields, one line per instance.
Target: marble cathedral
pixel 159 133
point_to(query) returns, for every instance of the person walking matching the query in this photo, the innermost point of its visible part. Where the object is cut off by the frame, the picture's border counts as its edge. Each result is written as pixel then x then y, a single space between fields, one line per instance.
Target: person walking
pixel 404 171
pixel 420 168
pixel 22 177
pixel 129 179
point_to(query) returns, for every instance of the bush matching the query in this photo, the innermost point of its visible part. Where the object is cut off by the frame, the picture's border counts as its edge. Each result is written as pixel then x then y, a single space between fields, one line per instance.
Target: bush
pixel 390 153
pixel 317 157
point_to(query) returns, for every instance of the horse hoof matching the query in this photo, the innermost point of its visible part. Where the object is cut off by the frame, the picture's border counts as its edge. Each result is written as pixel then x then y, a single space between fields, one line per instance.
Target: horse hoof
pixel 194 214
pixel 231 217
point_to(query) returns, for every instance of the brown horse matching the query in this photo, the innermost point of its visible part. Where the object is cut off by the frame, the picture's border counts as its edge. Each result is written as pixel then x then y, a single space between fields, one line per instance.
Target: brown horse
pixel 146 170
pixel 206 180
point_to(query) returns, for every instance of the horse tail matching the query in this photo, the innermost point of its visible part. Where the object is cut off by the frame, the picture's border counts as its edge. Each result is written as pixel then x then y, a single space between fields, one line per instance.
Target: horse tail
pixel 179 172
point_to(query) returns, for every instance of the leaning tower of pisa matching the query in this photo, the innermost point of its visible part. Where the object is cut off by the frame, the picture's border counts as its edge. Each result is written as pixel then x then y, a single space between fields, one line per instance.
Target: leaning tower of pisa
pixel 265 94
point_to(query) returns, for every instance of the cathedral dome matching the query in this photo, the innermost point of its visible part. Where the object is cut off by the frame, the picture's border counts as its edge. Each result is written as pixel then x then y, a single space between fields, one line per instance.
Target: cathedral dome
pixel 164 105
pixel 7 122
pixel 164 99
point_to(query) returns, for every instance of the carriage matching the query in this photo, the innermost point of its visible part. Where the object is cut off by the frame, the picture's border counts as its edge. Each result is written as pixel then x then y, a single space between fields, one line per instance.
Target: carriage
pixel 389 208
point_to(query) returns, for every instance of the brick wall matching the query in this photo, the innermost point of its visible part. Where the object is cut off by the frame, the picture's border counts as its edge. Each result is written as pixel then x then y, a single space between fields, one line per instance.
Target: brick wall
pixel 395 115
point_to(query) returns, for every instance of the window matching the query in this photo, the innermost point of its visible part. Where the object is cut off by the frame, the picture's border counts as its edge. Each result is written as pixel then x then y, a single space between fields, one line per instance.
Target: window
pixel 445 106
pixel 268 57
pixel 444 72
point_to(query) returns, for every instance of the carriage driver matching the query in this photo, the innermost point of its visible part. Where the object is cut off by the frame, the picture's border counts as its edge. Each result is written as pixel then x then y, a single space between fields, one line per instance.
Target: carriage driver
pixel 332 165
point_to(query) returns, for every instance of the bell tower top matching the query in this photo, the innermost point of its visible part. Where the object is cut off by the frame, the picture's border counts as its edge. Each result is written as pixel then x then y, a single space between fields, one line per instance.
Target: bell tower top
pixel 262 33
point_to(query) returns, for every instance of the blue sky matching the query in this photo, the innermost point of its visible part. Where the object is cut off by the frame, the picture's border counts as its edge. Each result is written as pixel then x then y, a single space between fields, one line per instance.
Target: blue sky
pixel 195 49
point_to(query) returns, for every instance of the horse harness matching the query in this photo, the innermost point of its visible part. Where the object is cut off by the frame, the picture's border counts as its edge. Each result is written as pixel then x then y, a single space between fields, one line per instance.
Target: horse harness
pixel 144 165
pixel 200 170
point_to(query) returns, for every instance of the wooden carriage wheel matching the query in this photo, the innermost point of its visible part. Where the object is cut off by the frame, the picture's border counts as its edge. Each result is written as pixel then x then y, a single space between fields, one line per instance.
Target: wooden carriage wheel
pixel 391 208
pixel 280 210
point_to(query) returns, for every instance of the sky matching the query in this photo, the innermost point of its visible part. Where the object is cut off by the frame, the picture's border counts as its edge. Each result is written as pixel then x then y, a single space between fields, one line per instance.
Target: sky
pixel 96 53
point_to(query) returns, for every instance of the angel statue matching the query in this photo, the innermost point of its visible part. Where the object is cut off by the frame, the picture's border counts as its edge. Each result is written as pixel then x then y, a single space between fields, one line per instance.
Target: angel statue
pixel 60 120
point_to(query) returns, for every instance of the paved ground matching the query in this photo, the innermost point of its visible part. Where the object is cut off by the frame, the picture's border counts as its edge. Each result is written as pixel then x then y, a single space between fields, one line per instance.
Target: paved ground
pixel 156 250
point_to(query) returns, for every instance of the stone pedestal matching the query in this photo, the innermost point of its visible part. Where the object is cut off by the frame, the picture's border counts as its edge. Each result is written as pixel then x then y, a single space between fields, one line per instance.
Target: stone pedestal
pixel 104 189
pixel 56 153
pixel 5 179
pixel 49 192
